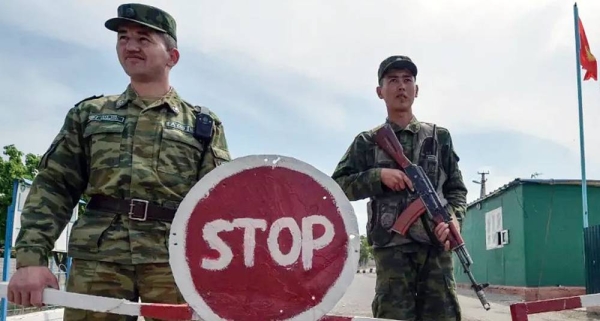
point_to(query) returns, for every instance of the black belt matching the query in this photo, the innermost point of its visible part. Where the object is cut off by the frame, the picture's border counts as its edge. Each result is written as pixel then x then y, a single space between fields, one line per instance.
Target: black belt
pixel 135 209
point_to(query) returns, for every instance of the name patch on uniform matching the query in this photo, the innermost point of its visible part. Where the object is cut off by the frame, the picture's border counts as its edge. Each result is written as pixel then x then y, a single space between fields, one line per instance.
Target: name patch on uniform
pixel 107 118
pixel 179 126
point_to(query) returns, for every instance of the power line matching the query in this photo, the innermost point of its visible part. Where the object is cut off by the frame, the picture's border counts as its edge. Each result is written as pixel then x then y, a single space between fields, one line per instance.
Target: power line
pixel 482 183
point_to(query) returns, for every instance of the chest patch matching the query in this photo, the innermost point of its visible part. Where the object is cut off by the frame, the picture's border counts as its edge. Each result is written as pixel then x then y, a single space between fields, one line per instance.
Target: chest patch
pixel 110 118
pixel 179 126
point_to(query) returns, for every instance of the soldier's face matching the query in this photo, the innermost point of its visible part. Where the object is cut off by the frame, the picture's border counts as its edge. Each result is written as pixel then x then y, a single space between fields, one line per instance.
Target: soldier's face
pixel 398 90
pixel 143 53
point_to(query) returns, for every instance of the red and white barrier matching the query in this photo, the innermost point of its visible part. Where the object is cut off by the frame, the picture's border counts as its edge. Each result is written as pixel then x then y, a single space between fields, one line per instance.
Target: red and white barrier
pixel 112 305
pixel 520 311
pixel 124 307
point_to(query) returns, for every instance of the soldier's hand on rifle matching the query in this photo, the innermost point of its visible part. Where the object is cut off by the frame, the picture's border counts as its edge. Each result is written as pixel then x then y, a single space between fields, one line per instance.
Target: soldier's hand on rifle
pixel 442 231
pixel 28 283
pixel 395 179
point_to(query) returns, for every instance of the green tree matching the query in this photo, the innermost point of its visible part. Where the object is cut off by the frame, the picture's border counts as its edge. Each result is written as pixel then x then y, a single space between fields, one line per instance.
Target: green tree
pixel 14 165
pixel 366 251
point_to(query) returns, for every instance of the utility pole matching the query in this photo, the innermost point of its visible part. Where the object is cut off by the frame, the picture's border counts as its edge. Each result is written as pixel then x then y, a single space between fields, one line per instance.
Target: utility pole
pixel 482 183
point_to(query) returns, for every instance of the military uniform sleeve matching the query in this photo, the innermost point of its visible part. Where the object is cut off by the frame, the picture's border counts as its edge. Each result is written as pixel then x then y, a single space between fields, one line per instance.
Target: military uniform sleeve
pixel 353 174
pixel 218 150
pixel 54 193
pixel 454 189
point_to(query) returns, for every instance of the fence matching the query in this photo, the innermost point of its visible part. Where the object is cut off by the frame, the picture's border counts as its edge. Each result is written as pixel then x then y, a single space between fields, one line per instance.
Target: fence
pixel 45 315
pixel 13 312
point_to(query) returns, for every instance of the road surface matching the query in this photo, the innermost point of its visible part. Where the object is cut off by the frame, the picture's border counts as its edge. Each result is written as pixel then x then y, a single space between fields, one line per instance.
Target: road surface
pixel 357 302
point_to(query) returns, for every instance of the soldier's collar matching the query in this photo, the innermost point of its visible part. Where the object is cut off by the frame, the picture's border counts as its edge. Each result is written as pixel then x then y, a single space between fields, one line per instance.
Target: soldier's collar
pixel 412 127
pixel 129 95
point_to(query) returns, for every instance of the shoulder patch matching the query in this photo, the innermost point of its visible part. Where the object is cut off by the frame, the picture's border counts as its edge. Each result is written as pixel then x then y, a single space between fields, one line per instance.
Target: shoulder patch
pixel 89 98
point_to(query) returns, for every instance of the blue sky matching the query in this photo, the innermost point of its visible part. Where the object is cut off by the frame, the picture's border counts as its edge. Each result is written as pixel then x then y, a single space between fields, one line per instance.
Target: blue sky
pixel 299 79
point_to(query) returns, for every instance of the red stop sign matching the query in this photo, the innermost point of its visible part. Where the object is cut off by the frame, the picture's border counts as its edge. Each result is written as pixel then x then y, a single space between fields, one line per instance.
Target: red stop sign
pixel 263 240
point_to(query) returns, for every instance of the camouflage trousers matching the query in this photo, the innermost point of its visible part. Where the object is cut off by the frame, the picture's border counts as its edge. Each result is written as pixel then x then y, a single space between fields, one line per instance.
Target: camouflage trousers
pixel 153 283
pixel 415 282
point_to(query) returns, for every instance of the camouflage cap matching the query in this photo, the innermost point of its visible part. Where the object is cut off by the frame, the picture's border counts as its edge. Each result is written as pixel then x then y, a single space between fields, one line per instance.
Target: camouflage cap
pixel 145 15
pixel 396 62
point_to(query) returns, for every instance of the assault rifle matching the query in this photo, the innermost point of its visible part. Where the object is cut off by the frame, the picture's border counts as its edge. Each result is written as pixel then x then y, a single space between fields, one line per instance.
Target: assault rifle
pixel 428 203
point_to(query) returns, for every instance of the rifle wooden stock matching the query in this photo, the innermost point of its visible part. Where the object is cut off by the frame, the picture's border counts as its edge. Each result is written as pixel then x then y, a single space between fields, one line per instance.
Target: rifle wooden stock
pixel 387 140
pixel 409 216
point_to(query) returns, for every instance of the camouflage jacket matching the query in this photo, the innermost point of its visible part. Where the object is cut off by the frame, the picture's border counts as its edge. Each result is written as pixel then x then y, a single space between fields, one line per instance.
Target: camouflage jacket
pixel 119 147
pixel 359 178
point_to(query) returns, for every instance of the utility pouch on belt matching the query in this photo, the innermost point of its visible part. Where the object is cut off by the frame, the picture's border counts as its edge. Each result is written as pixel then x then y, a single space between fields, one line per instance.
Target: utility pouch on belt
pixel 386 212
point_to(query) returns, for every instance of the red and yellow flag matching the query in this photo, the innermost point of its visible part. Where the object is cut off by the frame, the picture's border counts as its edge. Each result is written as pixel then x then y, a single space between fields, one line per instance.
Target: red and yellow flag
pixel 588 61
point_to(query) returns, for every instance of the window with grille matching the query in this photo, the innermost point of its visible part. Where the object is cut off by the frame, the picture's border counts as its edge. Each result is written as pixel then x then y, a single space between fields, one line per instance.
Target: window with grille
pixel 493 229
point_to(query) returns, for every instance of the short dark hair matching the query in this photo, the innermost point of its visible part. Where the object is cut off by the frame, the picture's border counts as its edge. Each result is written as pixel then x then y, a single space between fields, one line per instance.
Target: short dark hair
pixel 170 42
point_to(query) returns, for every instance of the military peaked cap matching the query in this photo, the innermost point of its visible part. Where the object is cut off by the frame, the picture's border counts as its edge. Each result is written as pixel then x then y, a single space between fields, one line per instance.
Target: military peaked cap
pixel 396 62
pixel 145 15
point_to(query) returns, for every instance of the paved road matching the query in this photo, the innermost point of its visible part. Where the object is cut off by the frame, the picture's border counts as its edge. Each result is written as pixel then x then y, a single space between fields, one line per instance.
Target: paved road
pixel 357 302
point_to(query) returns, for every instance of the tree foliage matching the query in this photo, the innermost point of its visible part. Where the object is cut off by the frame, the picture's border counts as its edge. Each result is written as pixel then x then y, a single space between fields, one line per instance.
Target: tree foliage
pixel 366 251
pixel 13 165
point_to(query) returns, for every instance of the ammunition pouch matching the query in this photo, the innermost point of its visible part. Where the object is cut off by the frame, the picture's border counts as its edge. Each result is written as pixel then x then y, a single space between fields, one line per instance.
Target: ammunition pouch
pixel 384 213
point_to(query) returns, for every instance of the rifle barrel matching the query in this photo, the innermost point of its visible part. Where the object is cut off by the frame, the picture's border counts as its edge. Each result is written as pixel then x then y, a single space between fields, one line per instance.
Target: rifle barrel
pixel 466 262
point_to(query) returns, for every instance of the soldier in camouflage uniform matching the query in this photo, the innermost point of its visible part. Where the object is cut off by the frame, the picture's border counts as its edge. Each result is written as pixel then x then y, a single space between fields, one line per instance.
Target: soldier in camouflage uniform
pixel 136 155
pixel 414 273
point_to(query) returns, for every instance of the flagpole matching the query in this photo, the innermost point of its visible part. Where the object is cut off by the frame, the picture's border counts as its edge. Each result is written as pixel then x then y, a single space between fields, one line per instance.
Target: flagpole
pixel 581 135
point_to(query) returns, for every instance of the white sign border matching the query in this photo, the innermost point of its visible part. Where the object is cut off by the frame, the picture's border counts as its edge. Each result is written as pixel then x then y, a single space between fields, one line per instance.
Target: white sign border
pixel 177 239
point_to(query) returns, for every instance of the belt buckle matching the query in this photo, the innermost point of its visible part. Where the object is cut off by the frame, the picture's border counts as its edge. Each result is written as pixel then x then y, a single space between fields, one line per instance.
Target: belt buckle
pixel 132 204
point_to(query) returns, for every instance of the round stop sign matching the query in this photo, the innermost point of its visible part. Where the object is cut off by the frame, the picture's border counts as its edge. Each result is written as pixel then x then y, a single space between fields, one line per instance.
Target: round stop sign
pixel 264 238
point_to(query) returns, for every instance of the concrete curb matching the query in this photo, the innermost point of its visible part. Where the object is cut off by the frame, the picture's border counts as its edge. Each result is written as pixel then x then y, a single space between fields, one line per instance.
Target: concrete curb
pixel 528 294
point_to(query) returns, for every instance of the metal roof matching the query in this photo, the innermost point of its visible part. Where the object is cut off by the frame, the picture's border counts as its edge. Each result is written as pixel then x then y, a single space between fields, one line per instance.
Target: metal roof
pixel 522 181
